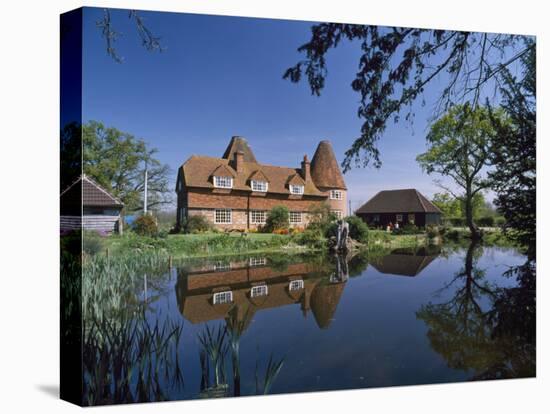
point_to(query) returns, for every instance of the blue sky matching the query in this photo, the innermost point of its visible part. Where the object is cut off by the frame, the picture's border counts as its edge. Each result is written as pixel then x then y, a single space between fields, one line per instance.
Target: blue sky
pixel 222 76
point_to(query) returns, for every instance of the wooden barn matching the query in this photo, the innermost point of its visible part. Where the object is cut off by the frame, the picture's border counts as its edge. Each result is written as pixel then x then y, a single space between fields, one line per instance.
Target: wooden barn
pixel 86 205
pixel 399 206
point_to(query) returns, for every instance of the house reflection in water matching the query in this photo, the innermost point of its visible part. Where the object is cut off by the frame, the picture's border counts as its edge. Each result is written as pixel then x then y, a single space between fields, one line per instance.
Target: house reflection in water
pixel 209 292
pixel 406 262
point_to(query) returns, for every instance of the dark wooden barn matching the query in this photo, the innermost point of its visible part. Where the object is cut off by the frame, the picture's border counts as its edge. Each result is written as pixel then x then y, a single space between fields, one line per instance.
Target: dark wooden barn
pixel 88 206
pixel 399 206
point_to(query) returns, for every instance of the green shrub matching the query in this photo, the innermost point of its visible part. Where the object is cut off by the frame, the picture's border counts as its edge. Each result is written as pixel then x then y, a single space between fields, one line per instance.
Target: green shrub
pixel 146 225
pixel 321 218
pixel 488 221
pixel 277 219
pixel 500 221
pixel 197 224
pixel 408 229
pixel 310 238
pixel 457 221
pixel 92 242
pixel 358 229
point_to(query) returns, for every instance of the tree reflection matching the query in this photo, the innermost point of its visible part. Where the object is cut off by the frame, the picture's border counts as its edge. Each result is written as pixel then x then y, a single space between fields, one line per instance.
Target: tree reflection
pixel 482 329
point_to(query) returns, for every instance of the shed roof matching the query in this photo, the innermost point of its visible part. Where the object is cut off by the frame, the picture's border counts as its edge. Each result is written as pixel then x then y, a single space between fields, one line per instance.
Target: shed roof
pixel 398 201
pixel 93 195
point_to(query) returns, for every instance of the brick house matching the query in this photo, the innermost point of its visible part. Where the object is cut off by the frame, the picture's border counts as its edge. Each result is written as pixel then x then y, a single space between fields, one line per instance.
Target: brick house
pixel 236 192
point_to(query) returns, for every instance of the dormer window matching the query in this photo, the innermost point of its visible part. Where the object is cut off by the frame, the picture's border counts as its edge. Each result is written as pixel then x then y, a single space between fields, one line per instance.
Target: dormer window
pixel 296 189
pixel 336 195
pixel 260 186
pixel 223 182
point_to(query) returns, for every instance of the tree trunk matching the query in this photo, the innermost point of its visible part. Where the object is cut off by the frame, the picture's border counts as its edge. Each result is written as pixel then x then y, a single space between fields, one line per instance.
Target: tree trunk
pixel 475 234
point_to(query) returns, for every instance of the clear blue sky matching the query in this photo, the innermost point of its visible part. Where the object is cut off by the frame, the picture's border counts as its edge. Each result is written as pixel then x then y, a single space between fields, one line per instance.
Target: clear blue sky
pixel 222 76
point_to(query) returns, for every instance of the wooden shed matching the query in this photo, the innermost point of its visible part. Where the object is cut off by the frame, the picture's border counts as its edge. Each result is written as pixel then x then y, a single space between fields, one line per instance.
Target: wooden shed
pixel 88 206
pixel 399 206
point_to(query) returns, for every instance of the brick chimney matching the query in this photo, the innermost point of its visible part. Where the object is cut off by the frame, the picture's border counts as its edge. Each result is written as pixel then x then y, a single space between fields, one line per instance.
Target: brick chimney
pixel 306 169
pixel 239 161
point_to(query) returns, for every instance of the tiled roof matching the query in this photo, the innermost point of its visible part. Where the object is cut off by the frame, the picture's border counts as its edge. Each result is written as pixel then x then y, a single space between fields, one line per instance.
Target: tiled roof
pixel 239 144
pixel 324 167
pixel 198 171
pixel 398 201
pixel 93 195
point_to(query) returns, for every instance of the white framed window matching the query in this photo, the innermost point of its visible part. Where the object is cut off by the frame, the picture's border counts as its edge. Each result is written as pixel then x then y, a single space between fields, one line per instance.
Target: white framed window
pixel 222 216
pixel 260 290
pixel 296 285
pixel 399 217
pixel 222 266
pixel 258 216
pixel 336 195
pixel 296 189
pixel 223 182
pixel 257 261
pixel 260 186
pixel 223 297
pixel 295 217
pixel 411 218
pixel 338 214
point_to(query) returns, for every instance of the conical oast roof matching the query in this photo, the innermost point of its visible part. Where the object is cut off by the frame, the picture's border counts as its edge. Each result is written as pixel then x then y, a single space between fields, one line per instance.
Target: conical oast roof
pixel 239 144
pixel 324 168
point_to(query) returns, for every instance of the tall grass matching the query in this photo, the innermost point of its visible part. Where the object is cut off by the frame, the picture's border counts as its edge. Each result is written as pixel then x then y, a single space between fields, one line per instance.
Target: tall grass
pixel 126 357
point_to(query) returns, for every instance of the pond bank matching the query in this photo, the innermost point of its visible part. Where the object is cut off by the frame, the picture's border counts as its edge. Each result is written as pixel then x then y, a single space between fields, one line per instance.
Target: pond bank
pixel 211 244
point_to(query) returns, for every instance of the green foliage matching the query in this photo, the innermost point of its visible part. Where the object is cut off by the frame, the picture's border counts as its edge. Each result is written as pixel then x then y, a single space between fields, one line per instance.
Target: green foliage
pixel 277 219
pixel 116 160
pixel 321 217
pixel 92 242
pixel 459 148
pixel 197 224
pixel 515 153
pixel 397 64
pixel 487 221
pixel 408 229
pixel 358 229
pixel 146 225
pixel 449 205
pixel 310 238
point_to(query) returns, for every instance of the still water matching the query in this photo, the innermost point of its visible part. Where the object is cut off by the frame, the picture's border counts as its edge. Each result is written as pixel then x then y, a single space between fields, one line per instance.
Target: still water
pixel 276 324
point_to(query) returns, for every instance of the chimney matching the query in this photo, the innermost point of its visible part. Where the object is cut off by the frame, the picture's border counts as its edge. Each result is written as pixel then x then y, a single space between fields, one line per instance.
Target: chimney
pixel 239 161
pixel 306 173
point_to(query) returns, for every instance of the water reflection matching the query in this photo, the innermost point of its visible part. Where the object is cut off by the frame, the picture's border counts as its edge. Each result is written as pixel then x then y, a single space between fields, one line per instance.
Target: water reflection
pixel 407 261
pixel 206 293
pixel 275 323
pixel 479 330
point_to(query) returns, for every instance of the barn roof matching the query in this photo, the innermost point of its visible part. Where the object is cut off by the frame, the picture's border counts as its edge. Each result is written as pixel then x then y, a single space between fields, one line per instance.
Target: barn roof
pixel 398 201
pixel 324 167
pixel 93 195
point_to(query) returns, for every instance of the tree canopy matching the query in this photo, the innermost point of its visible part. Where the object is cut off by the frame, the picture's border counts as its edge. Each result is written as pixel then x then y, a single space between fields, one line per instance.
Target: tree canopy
pixel 514 154
pixel 397 65
pixel 458 147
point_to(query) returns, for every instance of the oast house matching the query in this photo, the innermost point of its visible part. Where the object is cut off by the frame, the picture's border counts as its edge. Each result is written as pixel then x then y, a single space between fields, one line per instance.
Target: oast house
pixel 236 192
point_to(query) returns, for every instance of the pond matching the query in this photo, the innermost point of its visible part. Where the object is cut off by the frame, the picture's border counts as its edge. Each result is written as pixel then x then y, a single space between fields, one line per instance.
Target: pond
pixel 278 324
